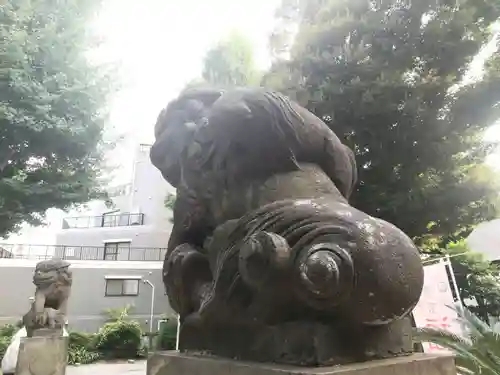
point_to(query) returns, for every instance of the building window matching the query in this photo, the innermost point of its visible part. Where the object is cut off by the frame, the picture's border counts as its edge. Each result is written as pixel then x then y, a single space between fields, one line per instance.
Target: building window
pixel 122 287
pixel 112 249
pixel 69 251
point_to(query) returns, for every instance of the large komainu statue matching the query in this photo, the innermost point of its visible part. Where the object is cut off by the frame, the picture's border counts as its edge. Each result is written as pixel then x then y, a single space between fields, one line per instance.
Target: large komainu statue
pixel 267 261
pixel 53 281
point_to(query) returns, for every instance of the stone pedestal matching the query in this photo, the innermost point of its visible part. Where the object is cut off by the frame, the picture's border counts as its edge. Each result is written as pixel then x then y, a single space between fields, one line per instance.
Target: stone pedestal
pixel 42 355
pixel 174 363
pixel 300 343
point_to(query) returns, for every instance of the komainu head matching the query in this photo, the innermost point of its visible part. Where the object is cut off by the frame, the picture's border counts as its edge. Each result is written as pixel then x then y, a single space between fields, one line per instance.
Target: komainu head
pixel 175 129
pixel 52 272
pixel 246 133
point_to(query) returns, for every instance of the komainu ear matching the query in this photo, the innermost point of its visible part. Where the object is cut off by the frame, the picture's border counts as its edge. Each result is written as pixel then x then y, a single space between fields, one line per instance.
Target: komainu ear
pixel 190 99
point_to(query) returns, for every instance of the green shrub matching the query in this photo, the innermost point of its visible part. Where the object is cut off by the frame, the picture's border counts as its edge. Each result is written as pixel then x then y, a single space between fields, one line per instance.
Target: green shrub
pixel 81 355
pixel 8 330
pixel 119 339
pixel 82 339
pixel 6 333
pixel 4 344
pixel 118 314
pixel 81 348
pixel 167 336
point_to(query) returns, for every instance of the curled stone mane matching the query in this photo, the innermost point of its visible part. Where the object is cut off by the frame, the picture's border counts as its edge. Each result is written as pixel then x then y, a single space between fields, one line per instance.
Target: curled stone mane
pixel 300 223
pixel 244 118
pixel 266 259
pixel 44 276
pixel 63 276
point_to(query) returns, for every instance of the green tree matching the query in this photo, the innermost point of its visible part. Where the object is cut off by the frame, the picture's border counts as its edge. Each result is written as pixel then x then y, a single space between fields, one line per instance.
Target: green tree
pixel 388 77
pixel 52 108
pixel 118 314
pixel 229 63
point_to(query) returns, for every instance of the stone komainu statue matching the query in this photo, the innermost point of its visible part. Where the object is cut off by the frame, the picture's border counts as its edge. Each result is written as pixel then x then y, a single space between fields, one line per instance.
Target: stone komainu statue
pixel 53 280
pixel 267 260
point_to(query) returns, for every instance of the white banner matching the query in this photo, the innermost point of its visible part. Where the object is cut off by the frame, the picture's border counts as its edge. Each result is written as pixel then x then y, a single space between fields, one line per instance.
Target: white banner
pixel 435 307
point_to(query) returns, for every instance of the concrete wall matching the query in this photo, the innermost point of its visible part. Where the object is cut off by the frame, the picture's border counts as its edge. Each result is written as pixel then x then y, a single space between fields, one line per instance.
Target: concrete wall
pixel 149 190
pixel 88 300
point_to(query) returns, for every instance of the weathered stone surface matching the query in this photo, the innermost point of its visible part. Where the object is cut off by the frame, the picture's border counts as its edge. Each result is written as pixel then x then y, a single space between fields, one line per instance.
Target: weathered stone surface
pixel 42 356
pixel 48 332
pixel 299 343
pixel 265 244
pixel 53 280
pixel 173 363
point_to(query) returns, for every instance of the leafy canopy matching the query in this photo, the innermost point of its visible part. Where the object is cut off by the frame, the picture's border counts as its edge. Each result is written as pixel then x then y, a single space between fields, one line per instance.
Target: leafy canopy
pixel 388 77
pixel 228 64
pixel 52 108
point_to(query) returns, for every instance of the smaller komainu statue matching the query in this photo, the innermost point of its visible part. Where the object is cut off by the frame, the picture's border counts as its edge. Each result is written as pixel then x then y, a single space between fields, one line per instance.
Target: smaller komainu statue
pixel 267 260
pixel 53 280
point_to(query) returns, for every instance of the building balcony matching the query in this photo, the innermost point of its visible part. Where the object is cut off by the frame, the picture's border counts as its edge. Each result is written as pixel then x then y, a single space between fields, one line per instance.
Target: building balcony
pixel 108 252
pixel 5 253
pixel 103 221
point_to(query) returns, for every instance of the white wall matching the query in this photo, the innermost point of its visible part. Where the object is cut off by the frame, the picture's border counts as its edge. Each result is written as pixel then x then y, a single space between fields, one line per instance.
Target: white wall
pixel 147 195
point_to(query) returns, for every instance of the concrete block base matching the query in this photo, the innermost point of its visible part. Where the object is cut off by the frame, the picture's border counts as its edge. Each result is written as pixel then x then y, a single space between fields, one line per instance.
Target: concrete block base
pixel 174 363
pixel 46 355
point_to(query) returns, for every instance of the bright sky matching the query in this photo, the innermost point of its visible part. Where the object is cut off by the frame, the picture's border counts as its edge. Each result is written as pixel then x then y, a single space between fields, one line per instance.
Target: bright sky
pixel 160 45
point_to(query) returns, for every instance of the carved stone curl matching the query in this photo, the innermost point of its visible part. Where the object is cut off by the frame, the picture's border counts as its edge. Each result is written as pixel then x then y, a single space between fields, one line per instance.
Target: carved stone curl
pixel 267 261
pixel 53 280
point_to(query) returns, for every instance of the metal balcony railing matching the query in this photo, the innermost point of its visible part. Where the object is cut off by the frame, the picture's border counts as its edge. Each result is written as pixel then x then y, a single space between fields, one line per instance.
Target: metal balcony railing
pixel 104 221
pixel 109 252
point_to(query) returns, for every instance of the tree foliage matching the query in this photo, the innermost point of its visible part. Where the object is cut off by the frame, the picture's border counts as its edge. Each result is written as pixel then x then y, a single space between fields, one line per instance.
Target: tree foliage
pixel 388 77
pixel 229 63
pixel 118 314
pixel 52 112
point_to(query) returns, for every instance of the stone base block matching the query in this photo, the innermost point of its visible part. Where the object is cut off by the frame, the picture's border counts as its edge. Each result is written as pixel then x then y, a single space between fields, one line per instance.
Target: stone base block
pixel 174 363
pixel 47 332
pixel 300 343
pixel 42 356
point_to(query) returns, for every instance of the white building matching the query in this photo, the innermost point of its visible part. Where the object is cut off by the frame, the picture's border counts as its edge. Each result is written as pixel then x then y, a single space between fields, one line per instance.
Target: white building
pixel 136 228
pixel 112 251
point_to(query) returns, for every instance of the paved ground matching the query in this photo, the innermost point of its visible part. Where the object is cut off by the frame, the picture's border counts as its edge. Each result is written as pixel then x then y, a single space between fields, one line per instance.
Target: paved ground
pixel 137 368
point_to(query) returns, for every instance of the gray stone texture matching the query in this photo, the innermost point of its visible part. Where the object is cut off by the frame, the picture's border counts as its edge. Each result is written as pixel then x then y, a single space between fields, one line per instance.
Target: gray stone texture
pixel 174 363
pixel 42 355
pixel 266 254
pixel 115 368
